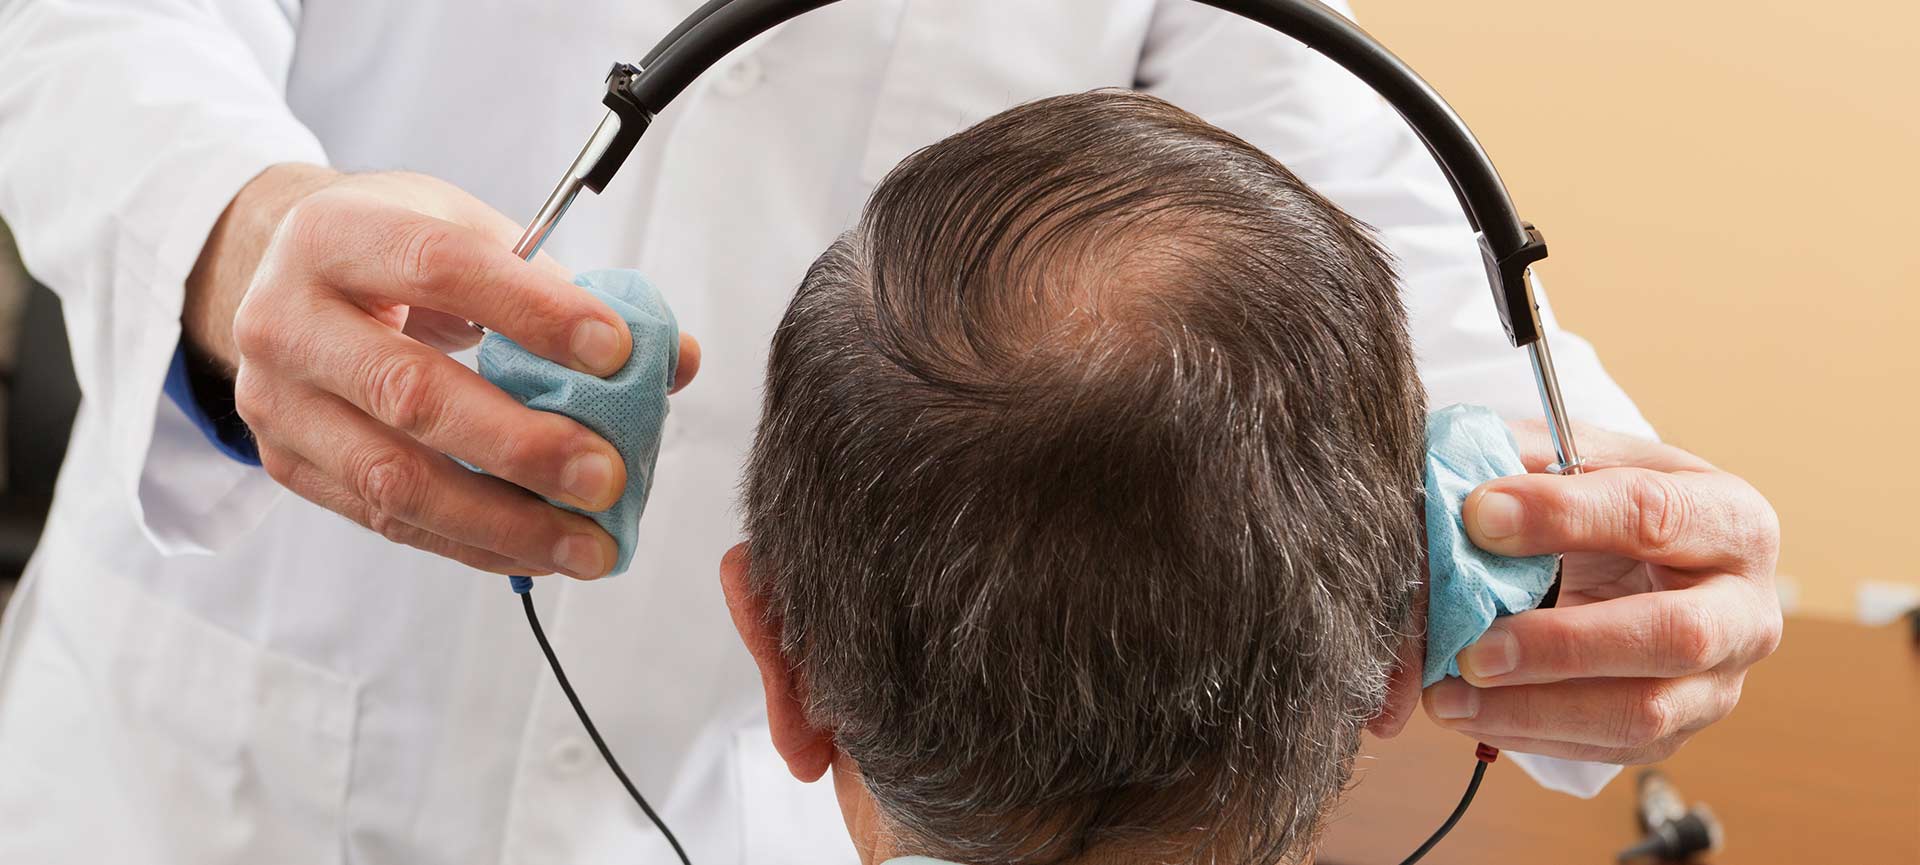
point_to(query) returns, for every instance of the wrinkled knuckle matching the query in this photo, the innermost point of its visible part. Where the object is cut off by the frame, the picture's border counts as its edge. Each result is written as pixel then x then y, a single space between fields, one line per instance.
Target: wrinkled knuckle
pixel 252 397
pixel 426 251
pixel 308 224
pixel 1689 638
pixel 1523 709
pixel 1648 719
pixel 391 482
pixel 1726 698
pixel 1553 644
pixel 1772 629
pixel 253 332
pixel 525 456
pixel 1762 527
pixel 400 392
pixel 558 310
pixel 1665 512
pixel 383 523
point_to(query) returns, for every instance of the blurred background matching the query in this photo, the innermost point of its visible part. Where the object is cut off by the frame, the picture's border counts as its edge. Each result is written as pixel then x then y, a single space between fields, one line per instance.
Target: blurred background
pixel 37 401
pixel 1728 193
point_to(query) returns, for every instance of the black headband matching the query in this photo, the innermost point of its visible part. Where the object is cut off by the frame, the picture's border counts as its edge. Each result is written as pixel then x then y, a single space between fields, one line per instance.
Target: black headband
pixel 1508 244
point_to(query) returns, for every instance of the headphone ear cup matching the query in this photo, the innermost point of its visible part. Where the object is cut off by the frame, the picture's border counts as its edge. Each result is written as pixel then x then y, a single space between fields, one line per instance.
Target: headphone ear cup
pixel 627 408
pixel 1468 587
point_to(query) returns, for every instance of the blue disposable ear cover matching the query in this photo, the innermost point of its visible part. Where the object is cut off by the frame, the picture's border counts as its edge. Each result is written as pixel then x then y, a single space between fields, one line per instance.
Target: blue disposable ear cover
pixel 1468 587
pixel 628 408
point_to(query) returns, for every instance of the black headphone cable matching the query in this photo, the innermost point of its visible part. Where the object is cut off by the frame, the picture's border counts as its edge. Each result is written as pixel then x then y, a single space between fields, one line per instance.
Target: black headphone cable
pixel 553 661
pixel 1483 754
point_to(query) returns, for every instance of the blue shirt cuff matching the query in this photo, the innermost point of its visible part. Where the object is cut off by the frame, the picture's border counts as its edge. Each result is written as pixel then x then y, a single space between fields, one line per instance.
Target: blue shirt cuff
pixel 209 404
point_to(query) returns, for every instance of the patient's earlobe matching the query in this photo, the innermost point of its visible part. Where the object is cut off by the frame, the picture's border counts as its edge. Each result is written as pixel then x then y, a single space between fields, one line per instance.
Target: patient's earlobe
pixel 1403 691
pixel 1403 684
pixel 808 750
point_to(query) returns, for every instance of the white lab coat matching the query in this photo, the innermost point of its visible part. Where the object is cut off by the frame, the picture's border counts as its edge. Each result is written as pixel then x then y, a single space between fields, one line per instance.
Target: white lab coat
pixel 202 668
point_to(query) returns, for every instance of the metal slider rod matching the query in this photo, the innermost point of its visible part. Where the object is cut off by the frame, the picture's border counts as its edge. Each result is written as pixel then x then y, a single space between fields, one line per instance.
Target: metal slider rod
pixel 555 207
pixel 569 188
pixel 1567 459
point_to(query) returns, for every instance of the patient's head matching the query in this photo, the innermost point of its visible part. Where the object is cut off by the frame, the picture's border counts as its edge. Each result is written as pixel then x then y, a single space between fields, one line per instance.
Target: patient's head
pixel 1084 509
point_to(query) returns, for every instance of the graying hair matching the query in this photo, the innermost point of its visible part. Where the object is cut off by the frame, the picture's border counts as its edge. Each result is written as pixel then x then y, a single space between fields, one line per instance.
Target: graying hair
pixel 1086 495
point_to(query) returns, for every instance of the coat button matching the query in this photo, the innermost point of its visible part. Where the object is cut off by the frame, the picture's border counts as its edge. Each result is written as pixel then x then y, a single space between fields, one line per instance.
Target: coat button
pixel 569 756
pixel 741 78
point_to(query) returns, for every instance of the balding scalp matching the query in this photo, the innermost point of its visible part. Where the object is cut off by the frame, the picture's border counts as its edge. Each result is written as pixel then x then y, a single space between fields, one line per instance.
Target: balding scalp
pixel 1087 489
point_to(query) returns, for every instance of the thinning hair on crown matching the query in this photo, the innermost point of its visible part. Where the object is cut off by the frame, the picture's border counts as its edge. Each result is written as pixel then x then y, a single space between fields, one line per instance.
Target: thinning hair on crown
pixel 1086 493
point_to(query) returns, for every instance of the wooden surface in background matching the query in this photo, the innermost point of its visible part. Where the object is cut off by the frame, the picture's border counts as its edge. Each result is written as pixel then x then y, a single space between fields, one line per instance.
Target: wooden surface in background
pixel 1819 764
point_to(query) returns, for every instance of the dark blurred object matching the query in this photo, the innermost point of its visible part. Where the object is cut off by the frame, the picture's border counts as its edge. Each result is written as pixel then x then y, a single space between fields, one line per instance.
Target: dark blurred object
pixel 1674 832
pixel 40 399
pixel 1696 832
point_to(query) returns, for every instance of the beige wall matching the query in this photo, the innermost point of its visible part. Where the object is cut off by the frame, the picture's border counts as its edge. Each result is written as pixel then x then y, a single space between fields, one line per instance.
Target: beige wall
pixel 1729 190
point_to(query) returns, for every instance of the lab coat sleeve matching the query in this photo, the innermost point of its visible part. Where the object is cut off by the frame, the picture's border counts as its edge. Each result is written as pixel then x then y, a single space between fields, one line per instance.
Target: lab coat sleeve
pixel 125 129
pixel 1345 141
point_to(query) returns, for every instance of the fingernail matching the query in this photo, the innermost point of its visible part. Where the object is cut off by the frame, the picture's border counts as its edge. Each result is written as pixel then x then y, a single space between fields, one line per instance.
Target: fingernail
pixel 1454 700
pixel 589 478
pixel 579 556
pixel 1498 516
pixel 597 346
pixel 1496 653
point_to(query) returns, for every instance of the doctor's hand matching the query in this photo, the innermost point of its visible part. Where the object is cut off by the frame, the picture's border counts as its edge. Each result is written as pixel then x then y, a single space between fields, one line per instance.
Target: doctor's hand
pixel 333 300
pixel 1667 598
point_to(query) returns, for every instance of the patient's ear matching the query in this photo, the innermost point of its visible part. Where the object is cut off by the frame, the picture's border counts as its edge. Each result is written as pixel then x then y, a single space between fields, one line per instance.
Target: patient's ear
pixel 1403 691
pixel 808 750
pixel 1403 686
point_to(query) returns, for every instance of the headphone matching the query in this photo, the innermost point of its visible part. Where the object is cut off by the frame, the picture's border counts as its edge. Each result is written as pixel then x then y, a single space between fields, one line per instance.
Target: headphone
pixel 1508 246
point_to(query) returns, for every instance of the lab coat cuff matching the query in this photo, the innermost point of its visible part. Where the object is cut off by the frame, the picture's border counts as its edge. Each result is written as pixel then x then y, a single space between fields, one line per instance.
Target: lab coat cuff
pixel 212 413
pixel 190 495
pixel 1572 777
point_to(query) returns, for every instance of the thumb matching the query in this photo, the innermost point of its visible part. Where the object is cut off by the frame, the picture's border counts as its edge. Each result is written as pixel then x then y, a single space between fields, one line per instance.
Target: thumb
pixel 1682 519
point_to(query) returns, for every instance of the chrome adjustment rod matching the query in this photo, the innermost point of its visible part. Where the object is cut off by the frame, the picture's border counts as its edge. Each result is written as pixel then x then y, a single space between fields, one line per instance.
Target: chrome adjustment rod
pixel 606 150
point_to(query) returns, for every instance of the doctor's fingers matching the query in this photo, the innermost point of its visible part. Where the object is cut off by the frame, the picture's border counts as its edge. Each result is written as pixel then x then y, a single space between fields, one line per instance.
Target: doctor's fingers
pixel 309 482
pixel 1680 519
pixel 1601 448
pixel 446 406
pixel 380 254
pixel 435 197
pixel 395 486
pixel 1609 720
pixel 1723 622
